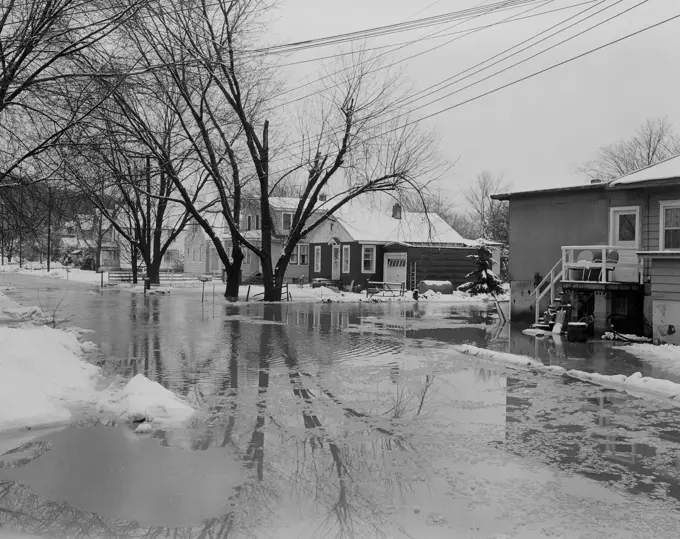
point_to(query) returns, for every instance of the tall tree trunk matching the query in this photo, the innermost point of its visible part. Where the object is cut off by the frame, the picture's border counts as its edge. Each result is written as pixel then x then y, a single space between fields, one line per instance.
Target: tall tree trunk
pixel 49 227
pixel 234 274
pixel 133 261
pixel 153 271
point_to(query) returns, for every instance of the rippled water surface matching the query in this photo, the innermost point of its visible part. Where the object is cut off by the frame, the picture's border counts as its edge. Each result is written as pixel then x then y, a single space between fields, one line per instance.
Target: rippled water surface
pixel 339 420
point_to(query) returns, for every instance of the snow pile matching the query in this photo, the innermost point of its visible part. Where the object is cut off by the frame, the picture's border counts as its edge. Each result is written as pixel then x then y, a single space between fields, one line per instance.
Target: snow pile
pixel 22 314
pixel 41 371
pixel 500 357
pixel 72 274
pixel 664 357
pixel 158 291
pixel 635 384
pixel 141 399
pixel 627 337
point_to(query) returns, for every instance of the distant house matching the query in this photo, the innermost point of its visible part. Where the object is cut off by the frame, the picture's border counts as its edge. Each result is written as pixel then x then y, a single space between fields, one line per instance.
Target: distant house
pixel 88 233
pixel 612 248
pixel 200 255
pixel 360 244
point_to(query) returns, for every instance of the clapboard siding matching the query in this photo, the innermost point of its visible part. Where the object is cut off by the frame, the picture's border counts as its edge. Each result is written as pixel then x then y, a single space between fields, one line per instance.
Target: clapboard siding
pixel 666 279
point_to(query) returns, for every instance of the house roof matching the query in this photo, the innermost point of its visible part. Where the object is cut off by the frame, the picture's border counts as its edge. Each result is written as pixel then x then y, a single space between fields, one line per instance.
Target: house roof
pixel 538 192
pixel 378 227
pixel 661 173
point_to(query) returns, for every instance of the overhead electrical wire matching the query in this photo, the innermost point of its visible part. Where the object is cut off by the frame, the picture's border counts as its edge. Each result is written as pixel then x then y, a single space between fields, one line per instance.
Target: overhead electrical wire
pixel 515 4
pixel 475 98
pixel 441 83
pixel 523 79
pixel 380 31
pixel 505 21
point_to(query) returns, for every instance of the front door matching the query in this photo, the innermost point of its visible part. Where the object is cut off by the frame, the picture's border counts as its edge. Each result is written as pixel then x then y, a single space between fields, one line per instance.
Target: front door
pixel 624 233
pixel 394 268
pixel 336 263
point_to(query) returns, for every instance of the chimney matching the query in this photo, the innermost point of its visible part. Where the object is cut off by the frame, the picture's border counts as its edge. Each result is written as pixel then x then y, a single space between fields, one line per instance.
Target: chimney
pixel 396 211
pixel 322 197
pixel 596 180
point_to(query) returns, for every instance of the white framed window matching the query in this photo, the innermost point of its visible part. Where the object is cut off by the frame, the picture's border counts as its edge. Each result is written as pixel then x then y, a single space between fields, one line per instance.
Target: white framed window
pixel 345 258
pixel 624 226
pixel 249 222
pixel 257 222
pixel 287 221
pixel 247 258
pixel 669 229
pixel 304 254
pixel 368 259
pixel 200 254
pixel 294 256
pixel 317 259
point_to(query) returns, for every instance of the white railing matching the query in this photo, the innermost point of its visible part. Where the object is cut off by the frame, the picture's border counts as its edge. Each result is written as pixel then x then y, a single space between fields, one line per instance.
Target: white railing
pixel 556 274
pixel 604 264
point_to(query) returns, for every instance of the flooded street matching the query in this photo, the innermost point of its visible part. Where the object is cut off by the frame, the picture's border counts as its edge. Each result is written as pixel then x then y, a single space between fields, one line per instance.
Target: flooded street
pixel 342 420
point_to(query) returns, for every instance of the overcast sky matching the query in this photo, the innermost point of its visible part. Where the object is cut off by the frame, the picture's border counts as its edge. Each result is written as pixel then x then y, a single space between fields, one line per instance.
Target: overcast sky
pixel 537 132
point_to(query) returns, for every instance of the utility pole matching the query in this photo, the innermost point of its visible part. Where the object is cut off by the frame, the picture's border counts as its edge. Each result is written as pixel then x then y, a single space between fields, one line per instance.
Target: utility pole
pixel 148 210
pixel 49 226
pixel 2 233
pixel 21 209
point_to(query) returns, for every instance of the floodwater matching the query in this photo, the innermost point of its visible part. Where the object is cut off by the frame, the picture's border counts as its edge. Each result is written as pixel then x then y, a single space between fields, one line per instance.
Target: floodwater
pixel 340 420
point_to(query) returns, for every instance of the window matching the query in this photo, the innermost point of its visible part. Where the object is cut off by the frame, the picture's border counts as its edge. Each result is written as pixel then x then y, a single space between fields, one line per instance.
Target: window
pixel 670 226
pixel 247 258
pixel 624 226
pixel 317 259
pixel 249 222
pixel 345 259
pixel 396 262
pixel 257 222
pixel 368 259
pixel 300 255
pixel 287 221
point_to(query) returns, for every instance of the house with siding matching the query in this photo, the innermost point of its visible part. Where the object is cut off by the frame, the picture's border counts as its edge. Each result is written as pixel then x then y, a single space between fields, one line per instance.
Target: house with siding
pixel 200 254
pixel 360 244
pixel 613 249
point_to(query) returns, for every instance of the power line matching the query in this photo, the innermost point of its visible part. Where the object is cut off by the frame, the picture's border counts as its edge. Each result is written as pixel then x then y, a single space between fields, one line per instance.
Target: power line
pixel 527 77
pixel 413 99
pixel 441 83
pixel 505 21
pixel 514 2
pixel 385 30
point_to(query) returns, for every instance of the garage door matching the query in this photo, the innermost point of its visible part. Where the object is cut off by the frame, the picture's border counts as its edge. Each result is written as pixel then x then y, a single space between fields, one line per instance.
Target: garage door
pixel 394 269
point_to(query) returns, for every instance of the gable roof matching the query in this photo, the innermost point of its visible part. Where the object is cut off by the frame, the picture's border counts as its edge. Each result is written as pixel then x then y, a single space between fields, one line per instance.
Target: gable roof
pixel 372 226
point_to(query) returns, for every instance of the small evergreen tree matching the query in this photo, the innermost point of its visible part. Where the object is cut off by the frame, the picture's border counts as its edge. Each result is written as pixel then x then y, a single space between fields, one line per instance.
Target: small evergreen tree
pixel 486 281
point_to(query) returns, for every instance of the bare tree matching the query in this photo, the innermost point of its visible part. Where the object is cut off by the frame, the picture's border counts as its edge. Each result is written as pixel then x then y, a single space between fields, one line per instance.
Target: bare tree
pixel 654 141
pixel 436 202
pixel 346 140
pixel 41 48
pixel 491 216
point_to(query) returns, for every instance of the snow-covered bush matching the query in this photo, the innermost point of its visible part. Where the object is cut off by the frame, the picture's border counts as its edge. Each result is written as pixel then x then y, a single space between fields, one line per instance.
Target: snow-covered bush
pixel 485 280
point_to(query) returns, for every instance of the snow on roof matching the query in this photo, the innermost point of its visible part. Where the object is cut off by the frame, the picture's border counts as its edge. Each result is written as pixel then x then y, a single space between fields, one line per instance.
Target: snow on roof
pixel 380 227
pixel 664 170
pixel 284 203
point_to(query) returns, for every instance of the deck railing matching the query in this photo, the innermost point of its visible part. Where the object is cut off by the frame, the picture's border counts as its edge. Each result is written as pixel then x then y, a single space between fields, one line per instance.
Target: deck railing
pixel 608 264
pixel 548 284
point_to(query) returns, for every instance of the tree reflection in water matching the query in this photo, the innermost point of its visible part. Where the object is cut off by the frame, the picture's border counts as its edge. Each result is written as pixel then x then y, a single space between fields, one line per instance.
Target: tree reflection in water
pixel 348 461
